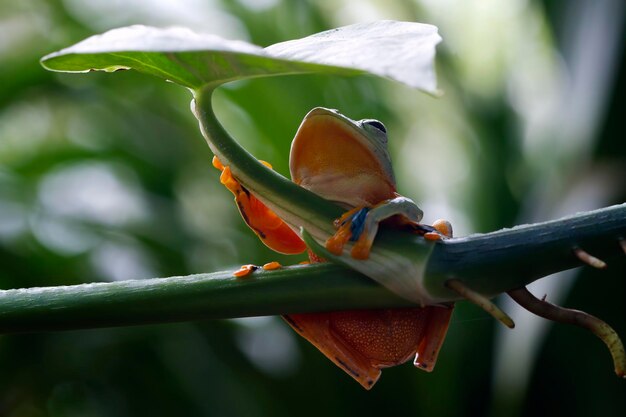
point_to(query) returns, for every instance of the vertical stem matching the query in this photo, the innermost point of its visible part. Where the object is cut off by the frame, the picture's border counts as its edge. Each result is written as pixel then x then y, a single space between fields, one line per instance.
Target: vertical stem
pixel 292 203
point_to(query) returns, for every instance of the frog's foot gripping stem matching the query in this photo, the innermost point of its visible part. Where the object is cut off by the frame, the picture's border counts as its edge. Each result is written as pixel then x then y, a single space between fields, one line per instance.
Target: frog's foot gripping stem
pixel 443 230
pixel 360 225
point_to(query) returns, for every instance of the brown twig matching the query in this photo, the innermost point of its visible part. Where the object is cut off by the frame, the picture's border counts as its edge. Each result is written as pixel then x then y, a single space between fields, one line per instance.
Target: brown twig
pixel 576 317
pixel 481 301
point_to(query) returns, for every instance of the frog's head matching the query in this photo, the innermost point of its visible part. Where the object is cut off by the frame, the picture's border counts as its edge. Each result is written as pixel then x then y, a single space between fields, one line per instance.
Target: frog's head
pixel 341 159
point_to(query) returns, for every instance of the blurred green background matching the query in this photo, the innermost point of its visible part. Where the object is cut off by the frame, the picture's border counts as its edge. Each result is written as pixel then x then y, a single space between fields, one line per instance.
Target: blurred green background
pixel 106 177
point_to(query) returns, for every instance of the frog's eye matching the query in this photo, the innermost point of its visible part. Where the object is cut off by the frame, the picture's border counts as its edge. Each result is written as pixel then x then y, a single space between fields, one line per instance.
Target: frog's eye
pixel 376 124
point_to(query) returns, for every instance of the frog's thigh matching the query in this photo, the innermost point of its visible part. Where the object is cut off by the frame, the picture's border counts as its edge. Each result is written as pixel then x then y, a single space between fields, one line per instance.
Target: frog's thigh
pixel 364 341
pixel 316 328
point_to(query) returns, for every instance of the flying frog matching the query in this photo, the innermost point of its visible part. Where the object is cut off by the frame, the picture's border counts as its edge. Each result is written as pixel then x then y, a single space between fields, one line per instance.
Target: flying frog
pixel 347 162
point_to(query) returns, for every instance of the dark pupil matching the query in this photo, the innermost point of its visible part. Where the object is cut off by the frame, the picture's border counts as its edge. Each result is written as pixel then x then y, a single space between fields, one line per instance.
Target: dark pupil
pixel 378 125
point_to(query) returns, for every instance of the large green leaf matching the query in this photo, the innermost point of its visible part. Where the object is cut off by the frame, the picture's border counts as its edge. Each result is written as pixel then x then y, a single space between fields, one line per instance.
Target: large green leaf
pixel 401 51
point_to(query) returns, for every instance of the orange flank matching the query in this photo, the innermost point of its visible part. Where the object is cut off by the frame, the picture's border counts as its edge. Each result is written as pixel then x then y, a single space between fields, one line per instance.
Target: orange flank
pixel 245 270
pixel 270 266
pixel 270 228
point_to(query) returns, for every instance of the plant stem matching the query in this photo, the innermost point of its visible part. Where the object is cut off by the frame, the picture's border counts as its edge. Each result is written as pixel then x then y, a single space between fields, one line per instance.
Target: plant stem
pixel 490 263
pixel 512 258
pixel 292 203
pixel 194 297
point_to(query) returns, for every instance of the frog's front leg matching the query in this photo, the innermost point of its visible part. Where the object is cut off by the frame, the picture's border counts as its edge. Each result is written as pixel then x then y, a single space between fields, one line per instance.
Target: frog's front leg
pixel 360 225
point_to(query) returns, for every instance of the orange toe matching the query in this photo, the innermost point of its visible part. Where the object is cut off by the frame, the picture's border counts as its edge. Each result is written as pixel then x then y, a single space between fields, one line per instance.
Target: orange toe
pixel 270 266
pixel 245 270
pixel 432 236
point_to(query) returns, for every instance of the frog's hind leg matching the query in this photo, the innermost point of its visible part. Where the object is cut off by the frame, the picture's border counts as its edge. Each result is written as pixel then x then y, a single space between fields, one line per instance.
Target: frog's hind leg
pixel 315 327
pixel 428 350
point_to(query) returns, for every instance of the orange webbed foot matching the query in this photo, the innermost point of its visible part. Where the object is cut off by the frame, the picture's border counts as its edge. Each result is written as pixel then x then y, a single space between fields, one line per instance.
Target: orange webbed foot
pixel 344 232
pixel 360 225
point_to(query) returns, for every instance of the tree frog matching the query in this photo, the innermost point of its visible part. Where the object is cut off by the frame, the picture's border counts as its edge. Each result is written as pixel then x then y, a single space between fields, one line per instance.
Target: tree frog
pixel 347 162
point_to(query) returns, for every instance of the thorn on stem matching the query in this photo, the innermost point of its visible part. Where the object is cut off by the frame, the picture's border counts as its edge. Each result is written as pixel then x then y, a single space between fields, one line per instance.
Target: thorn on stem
pixel 589 259
pixel 481 301
pixel 549 311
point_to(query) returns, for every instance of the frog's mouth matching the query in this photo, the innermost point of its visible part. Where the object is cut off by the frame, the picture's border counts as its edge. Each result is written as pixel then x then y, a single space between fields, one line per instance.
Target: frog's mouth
pixel 333 157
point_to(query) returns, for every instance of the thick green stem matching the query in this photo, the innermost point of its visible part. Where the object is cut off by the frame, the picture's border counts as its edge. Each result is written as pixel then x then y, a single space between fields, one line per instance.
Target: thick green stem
pixel 491 263
pixel 195 297
pixel 512 258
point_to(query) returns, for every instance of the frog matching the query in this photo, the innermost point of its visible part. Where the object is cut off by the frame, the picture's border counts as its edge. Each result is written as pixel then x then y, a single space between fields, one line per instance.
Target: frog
pixel 348 162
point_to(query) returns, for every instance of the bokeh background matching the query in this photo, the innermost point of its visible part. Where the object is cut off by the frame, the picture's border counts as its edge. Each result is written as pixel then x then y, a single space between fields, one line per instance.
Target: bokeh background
pixel 106 177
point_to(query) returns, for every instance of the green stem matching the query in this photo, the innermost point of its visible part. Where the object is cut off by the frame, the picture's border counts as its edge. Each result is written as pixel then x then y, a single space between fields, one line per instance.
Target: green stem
pixel 491 263
pixel 292 203
pixel 512 258
pixel 195 297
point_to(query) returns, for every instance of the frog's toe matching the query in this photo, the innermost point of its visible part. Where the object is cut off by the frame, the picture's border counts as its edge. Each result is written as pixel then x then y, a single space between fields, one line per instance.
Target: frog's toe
pixel 270 266
pixel 336 242
pixel 444 227
pixel 349 227
pixel 441 229
pixel 245 270
pixel 362 247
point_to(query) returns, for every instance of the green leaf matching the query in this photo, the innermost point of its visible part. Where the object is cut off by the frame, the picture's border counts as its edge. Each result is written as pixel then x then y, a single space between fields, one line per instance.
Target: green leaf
pixel 401 51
